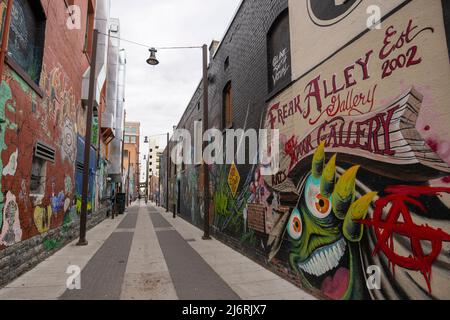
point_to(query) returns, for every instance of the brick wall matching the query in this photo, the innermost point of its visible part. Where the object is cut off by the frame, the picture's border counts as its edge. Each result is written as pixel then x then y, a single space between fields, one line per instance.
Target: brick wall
pixel 32 227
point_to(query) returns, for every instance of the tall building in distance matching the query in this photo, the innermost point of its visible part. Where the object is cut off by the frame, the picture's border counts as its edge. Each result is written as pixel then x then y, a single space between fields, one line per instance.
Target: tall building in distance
pixel 154 166
pixel 131 159
pixel 154 158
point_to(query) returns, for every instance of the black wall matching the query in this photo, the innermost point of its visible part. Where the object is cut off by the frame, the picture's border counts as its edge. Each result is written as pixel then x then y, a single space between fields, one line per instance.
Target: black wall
pixel 241 59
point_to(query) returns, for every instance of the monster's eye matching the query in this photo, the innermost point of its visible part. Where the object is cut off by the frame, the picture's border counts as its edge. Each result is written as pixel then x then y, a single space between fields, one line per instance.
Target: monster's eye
pixel 295 225
pixel 322 204
pixel 319 206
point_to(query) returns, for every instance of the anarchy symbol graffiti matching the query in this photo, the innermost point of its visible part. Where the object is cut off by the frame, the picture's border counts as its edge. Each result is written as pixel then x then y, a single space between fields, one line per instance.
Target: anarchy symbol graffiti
pixel 401 199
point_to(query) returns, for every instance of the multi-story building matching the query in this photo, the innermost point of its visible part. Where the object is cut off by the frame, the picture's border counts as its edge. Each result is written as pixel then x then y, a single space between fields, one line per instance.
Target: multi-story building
pixel 154 166
pixel 131 159
pixel 43 103
pixel 360 102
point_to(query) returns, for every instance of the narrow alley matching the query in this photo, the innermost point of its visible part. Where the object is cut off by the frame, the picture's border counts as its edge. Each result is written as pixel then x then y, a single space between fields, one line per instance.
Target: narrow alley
pixel 228 150
pixel 147 255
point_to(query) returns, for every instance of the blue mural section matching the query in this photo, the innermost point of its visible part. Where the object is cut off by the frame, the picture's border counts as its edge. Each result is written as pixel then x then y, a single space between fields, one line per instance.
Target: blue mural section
pixel 79 173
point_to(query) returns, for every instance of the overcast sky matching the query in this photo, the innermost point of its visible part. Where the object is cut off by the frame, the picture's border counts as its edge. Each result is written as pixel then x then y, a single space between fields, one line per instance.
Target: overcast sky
pixel 157 96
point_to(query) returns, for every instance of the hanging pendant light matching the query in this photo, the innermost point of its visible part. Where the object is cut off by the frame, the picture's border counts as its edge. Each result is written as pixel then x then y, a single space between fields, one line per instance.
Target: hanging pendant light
pixel 152 60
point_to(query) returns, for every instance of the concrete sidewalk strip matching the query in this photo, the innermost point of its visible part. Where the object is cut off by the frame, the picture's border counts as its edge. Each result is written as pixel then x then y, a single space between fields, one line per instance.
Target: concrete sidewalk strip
pixel 247 278
pixel 147 275
pixel 103 276
pixel 47 281
pixel 193 278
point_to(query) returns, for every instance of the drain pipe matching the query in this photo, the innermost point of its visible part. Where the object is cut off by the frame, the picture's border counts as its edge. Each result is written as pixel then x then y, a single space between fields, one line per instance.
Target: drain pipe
pixel 5 36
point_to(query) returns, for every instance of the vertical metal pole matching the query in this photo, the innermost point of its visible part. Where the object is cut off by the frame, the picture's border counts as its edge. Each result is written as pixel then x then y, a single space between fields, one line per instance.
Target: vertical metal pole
pixel 122 190
pixel 167 172
pixel 151 187
pixel 206 230
pixel 158 199
pixel 5 36
pixel 87 143
pixel 128 180
pixel 146 185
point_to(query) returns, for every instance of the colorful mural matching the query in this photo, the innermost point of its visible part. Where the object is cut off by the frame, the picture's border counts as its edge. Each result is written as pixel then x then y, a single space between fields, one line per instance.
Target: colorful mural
pixel 54 117
pixel 364 154
pixel 360 159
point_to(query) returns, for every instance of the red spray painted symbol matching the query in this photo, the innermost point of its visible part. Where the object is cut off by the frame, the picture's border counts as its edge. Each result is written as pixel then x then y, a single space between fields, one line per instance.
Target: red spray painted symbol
pixel 399 198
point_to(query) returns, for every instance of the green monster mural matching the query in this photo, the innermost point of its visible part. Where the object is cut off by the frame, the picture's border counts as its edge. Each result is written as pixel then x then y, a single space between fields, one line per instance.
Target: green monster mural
pixel 324 239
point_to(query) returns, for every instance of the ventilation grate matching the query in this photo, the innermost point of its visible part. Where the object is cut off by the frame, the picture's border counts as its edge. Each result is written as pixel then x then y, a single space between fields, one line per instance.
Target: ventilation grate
pixel 44 152
pixel 80 166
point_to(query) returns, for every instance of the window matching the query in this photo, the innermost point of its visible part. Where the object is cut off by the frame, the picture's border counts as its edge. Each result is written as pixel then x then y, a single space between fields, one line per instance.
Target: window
pixel 130 130
pixel 133 139
pixel 226 63
pixel 89 35
pixel 127 139
pixel 227 116
pixel 26 37
pixel 38 173
pixel 279 53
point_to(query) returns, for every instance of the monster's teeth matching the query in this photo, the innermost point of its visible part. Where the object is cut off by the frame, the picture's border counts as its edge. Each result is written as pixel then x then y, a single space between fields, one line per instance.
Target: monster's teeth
pixel 324 262
pixel 343 245
pixel 323 266
pixel 316 264
pixel 310 267
pixel 336 253
pixel 307 269
pixel 329 260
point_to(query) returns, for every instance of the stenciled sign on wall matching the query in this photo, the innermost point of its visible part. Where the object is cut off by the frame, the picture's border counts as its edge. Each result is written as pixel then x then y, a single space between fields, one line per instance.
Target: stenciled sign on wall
pixel 337 21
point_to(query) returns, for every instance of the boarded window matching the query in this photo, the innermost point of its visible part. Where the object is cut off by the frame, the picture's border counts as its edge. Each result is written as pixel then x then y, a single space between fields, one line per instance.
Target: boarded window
pixel 26 37
pixel 227 107
pixel 279 53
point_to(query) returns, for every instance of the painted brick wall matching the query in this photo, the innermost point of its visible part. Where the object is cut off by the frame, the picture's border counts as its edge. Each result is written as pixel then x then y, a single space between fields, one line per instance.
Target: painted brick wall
pixel 34 227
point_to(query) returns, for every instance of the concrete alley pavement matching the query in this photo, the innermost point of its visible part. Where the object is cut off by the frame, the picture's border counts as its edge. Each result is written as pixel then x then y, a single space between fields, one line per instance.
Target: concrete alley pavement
pixel 147 255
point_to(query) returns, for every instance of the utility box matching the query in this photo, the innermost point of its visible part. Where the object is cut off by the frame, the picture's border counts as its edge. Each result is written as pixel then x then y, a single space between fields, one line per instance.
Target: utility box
pixel 120 203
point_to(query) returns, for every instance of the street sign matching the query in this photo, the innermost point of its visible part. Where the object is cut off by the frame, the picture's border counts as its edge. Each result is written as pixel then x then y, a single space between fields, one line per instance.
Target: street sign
pixel 233 179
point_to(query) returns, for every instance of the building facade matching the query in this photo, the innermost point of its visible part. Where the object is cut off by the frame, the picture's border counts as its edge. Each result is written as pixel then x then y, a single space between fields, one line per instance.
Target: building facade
pixel 43 108
pixel 131 159
pixel 154 166
pixel 363 188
